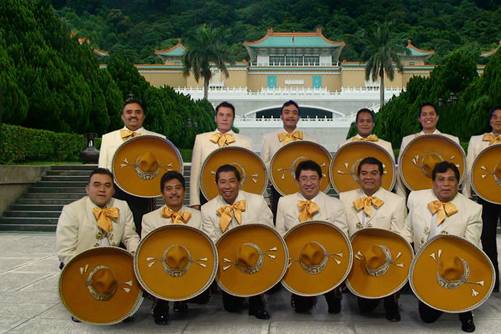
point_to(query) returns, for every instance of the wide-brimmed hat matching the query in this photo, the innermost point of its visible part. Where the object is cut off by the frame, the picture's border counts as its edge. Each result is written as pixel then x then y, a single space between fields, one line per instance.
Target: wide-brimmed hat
pixel 252 259
pixel 486 174
pixel 381 263
pixel 451 274
pixel 176 262
pixel 250 166
pixel 420 156
pixel 344 165
pixel 284 162
pixel 98 286
pixel 140 162
pixel 320 258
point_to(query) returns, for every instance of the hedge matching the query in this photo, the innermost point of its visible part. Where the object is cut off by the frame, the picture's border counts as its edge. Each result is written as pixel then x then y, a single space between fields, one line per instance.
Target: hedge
pixel 18 144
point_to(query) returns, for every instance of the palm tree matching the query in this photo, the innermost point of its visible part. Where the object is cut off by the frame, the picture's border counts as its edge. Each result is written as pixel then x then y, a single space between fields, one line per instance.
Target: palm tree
pixel 383 56
pixel 203 50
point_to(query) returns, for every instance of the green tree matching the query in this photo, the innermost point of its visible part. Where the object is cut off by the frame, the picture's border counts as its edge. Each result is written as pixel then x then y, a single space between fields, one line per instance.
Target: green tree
pixel 204 49
pixel 383 56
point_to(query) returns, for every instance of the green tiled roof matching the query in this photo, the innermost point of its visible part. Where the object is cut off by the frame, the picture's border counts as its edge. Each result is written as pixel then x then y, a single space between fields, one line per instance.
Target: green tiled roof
pixel 293 41
pixel 175 52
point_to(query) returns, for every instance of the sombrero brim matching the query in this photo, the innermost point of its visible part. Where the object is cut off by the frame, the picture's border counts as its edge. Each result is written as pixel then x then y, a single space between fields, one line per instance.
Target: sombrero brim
pixel 251 167
pixel 343 168
pixel 360 283
pixel 124 168
pixel 77 299
pixel 423 277
pixel 483 181
pixel 237 283
pixel 412 174
pixel 159 283
pixel 285 160
pixel 335 242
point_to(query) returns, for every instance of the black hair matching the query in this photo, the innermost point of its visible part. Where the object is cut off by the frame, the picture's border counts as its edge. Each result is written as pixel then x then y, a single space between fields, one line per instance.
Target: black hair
pixel 443 167
pixel 227 105
pixel 308 165
pixel 370 161
pixel 427 104
pixel 101 171
pixel 289 103
pixel 171 175
pixel 366 110
pixel 228 168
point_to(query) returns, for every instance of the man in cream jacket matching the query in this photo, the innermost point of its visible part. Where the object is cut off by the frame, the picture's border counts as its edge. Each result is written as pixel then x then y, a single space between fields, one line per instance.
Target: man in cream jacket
pixel 233 207
pixel 95 220
pixel 373 206
pixel 208 142
pixel 442 210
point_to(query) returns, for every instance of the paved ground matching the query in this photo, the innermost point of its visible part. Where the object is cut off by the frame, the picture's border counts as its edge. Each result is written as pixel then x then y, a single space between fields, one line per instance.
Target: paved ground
pixel 29 303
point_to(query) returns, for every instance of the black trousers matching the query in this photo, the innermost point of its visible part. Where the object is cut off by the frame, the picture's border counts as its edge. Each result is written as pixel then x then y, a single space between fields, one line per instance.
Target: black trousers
pixel 235 304
pixel 138 205
pixel 429 314
pixel 390 303
pixel 274 197
pixel 304 304
pixel 491 216
pixel 203 200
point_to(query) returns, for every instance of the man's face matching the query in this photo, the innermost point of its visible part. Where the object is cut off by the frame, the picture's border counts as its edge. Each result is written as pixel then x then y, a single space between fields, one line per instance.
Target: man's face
pixel 173 194
pixel 100 189
pixel 495 121
pixel 365 124
pixel 445 186
pixel 224 119
pixel 290 117
pixel 228 186
pixel 133 116
pixel 309 183
pixel 428 118
pixel 369 178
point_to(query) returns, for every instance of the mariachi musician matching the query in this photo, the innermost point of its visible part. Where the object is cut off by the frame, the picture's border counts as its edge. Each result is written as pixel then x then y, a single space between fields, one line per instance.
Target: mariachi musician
pixel 311 204
pixel 172 185
pixel 491 212
pixel 442 210
pixel 133 115
pixel 272 142
pixel 373 206
pixel 233 207
pixel 206 143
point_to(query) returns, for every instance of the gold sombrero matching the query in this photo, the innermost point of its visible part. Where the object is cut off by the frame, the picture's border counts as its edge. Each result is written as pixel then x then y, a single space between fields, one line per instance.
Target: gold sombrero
pixel 451 274
pixel 98 286
pixel 320 258
pixel 140 162
pixel 421 155
pixel 175 262
pixel 252 259
pixel 285 160
pixel 486 174
pixel 381 263
pixel 251 167
pixel 343 167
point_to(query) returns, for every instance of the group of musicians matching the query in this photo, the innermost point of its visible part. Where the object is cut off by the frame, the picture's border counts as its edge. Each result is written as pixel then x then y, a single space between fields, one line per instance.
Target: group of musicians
pixel 108 216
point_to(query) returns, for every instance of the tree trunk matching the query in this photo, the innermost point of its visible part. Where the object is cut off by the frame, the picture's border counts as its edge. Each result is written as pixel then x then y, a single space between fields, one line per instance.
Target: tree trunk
pixel 206 88
pixel 381 89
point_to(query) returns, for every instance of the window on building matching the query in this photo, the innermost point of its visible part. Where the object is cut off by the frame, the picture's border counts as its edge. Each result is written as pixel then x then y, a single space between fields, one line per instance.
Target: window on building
pixel 277 60
pixel 311 60
pixel 271 81
pixel 316 81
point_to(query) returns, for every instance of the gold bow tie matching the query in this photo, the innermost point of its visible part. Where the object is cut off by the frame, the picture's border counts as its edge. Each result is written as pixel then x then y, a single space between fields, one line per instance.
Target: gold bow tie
pixel 368 138
pixel 222 139
pixel 126 134
pixel 307 209
pixel 492 138
pixel 181 217
pixel 368 203
pixel 288 137
pixel 228 212
pixel 104 217
pixel 442 210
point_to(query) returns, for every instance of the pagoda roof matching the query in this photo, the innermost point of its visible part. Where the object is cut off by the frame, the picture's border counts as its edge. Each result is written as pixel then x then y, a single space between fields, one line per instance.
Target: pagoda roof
pixel 177 50
pixel 294 40
pixel 416 52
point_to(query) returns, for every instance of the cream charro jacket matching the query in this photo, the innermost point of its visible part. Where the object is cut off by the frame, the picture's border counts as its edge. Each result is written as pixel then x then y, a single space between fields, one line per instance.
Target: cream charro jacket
pixel 77 229
pixel 201 150
pixel 154 219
